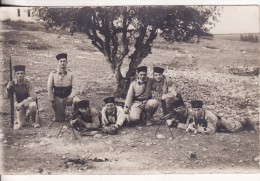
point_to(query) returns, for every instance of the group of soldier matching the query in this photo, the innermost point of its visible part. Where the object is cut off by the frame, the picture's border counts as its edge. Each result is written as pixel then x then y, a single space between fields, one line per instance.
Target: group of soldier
pixel 144 97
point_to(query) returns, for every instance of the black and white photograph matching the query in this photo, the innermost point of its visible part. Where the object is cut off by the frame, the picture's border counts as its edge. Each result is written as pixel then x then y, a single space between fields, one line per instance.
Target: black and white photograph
pixel 129 90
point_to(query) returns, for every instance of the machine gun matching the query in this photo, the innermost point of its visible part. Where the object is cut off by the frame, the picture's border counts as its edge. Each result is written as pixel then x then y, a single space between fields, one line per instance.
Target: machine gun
pixel 11 96
pixel 163 120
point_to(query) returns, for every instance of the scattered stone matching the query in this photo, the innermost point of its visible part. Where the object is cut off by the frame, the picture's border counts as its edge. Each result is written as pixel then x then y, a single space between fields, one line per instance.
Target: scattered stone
pixel 63 157
pixel 256 159
pixel 5 141
pixel 98 136
pixel 204 149
pixel 111 149
pixel 39 170
pixel 155 152
pixel 123 132
pixel 160 136
pixel 241 161
pixel 147 144
pixel 139 128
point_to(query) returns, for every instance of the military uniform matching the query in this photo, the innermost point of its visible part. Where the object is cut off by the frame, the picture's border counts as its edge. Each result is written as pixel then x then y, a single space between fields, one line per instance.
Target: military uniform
pixel 212 123
pixel 139 99
pixel 25 95
pixel 61 86
pixel 117 117
pixel 91 119
pixel 164 92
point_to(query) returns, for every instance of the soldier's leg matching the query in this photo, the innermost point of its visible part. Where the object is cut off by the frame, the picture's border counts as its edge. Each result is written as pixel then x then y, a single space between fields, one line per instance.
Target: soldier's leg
pixel 151 107
pixel 135 112
pixel 169 105
pixel 75 101
pixel 21 117
pixel 60 108
pixel 32 111
pixel 231 125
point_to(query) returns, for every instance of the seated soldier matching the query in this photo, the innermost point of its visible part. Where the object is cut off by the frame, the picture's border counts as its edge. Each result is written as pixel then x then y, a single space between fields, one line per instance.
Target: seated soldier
pixel 212 123
pixel 86 118
pixel 25 97
pixel 139 104
pixel 164 90
pixel 112 115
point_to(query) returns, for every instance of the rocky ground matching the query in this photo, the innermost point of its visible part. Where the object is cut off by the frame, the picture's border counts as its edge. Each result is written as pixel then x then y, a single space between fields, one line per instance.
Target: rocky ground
pixel 199 71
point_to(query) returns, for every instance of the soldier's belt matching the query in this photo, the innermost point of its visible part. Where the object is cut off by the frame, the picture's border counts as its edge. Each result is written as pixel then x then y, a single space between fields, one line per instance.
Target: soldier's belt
pixel 62 92
pixel 141 99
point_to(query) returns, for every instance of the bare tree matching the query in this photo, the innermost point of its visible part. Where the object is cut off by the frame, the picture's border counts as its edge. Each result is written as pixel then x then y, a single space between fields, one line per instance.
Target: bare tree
pixel 127 32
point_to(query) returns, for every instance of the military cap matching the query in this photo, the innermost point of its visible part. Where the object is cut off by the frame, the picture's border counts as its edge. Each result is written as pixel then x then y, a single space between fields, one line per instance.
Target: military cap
pixel 109 100
pixel 178 103
pixel 142 69
pixel 83 104
pixel 196 104
pixel 19 68
pixel 61 55
pixel 158 70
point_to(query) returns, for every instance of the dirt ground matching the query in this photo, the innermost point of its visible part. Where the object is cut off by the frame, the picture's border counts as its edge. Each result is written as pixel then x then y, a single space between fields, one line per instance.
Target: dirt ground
pixel 199 71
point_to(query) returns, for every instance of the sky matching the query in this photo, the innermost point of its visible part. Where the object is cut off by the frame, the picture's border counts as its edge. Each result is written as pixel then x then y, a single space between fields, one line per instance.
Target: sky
pixel 233 19
pixel 238 19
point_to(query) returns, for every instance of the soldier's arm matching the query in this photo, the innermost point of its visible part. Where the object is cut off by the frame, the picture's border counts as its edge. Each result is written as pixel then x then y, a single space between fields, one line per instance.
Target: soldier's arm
pixel 121 117
pixel 210 129
pixel 104 118
pixel 50 85
pixel 75 88
pixel 32 95
pixel 129 98
pixel 171 91
pixel 95 120
pixel 9 91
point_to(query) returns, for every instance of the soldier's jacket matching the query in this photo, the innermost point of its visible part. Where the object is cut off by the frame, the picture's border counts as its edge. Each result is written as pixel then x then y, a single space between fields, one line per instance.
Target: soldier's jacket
pixel 138 92
pixel 183 115
pixel 212 122
pixel 62 84
pixel 117 117
pixel 162 88
pixel 24 92
pixel 92 117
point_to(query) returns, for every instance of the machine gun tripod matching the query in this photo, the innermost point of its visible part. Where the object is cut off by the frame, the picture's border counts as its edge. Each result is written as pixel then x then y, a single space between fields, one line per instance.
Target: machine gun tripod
pixel 163 120
pixel 68 122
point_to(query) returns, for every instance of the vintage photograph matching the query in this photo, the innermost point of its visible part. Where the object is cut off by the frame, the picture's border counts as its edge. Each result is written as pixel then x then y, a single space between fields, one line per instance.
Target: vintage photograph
pixel 119 90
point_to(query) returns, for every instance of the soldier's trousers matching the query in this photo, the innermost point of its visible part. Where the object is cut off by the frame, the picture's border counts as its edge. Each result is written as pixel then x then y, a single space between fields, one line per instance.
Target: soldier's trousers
pixel 167 105
pixel 230 125
pixel 29 112
pixel 148 107
pixel 60 107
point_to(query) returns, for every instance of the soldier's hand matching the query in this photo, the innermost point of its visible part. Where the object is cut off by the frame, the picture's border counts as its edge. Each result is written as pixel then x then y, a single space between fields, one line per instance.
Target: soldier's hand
pixel 20 107
pixel 53 105
pixel 69 101
pixel 169 81
pixel 10 85
pixel 117 126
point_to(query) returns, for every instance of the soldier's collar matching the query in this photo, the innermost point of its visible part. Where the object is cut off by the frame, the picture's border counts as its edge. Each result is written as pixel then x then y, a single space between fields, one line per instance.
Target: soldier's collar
pixel 62 72
pixel 141 82
pixel 20 83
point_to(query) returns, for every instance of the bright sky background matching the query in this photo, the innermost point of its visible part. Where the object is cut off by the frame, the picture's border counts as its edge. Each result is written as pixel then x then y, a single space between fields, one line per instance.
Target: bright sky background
pixel 238 19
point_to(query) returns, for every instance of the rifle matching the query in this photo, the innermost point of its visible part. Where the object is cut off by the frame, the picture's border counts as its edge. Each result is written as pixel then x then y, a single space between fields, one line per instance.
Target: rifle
pixel 38 112
pixel 11 96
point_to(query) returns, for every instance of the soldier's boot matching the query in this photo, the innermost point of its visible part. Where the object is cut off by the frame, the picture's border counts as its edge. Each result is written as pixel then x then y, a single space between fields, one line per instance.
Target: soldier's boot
pixel 35 122
pixel 248 124
pixel 149 117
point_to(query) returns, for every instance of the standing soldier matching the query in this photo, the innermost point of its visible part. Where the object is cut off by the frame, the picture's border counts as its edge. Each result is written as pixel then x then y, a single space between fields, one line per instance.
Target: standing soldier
pixel 163 91
pixel 25 97
pixel 138 100
pixel 112 115
pixel 212 123
pixel 62 88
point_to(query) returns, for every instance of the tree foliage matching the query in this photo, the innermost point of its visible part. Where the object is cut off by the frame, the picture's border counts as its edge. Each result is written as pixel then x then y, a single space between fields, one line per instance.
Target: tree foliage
pixel 127 32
